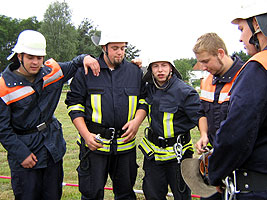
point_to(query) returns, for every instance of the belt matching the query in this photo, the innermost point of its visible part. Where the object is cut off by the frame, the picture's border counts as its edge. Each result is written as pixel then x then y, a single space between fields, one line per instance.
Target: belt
pixel 247 180
pixel 38 128
pixel 107 133
pixel 166 142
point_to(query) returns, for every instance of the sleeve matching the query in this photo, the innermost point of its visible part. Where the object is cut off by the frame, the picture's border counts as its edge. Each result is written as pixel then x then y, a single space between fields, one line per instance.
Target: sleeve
pixel 76 97
pixel 192 105
pixel 202 110
pixel 235 139
pixel 15 147
pixel 69 68
pixel 142 104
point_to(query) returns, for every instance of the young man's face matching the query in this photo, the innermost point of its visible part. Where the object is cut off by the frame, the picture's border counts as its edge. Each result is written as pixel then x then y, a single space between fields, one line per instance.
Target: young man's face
pixel 161 71
pixel 32 63
pixel 116 52
pixel 245 36
pixel 211 63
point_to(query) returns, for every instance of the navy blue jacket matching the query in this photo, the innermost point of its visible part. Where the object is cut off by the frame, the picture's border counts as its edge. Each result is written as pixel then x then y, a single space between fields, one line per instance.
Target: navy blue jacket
pixel 114 86
pixel 178 98
pixel 214 111
pixel 241 140
pixel 31 111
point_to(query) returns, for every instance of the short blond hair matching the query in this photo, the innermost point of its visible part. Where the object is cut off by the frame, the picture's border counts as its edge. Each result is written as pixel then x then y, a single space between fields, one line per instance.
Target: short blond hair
pixel 209 42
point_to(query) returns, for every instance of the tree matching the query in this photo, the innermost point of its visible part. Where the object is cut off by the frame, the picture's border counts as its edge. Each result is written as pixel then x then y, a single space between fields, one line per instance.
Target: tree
pixel 185 66
pixel 9 31
pixel 241 54
pixel 131 52
pixel 60 34
pixel 85 44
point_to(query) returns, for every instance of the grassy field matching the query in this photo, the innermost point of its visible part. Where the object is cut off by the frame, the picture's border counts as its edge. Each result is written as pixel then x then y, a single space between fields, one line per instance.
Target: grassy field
pixel 71 161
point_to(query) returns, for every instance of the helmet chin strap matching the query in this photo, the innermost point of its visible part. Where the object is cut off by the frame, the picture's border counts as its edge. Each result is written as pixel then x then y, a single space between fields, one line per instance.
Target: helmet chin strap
pixel 156 83
pixel 106 53
pixel 22 64
pixel 253 40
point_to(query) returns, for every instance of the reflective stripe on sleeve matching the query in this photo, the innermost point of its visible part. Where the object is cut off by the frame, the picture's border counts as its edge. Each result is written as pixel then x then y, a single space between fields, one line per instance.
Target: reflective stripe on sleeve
pixel 55 75
pixel 143 101
pixel 77 107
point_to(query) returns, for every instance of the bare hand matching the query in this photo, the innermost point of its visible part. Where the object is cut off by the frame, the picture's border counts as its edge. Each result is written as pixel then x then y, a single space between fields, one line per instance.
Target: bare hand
pixel 90 62
pixel 92 143
pixel 137 61
pixel 30 161
pixel 220 189
pixel 131 128
pixel 201 143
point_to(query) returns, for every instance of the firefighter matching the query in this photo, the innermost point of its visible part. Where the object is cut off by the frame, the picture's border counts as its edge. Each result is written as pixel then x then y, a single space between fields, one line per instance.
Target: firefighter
pixel 238 160
pixel 32 136
pixel 172 109
pixel 213 57
pixel 101 108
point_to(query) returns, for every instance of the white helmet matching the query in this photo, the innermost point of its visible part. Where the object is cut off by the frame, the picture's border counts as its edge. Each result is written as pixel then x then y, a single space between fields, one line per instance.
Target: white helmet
pixel 105 39
pixel 148 76
pixel 30 42
pixel 256 9
pixel 159 59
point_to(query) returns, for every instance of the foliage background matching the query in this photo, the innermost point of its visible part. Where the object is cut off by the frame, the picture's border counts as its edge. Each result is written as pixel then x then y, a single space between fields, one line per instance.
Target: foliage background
pixel 65 41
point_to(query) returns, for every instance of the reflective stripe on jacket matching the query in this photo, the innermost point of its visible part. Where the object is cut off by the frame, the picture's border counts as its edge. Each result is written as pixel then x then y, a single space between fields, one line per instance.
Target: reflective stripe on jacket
pixel 241 139
pixel 24 105
pixel 13 94
pixel 171 112
pixel 208 90
pixel 111 99
pixel 162 154
pixel 211 108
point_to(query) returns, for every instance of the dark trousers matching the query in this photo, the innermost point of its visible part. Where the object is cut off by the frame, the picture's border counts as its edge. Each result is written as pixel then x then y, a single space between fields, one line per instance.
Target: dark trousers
pixel 38 184
pixel 93 176
pixel 159 176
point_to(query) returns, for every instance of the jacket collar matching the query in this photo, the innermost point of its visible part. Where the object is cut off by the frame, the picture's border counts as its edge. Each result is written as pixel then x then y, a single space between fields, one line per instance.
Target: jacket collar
pixel 13 80
pixel 229 75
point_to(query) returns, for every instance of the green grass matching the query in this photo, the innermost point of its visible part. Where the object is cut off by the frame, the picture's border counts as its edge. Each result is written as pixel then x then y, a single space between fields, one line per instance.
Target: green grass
pixel 71 160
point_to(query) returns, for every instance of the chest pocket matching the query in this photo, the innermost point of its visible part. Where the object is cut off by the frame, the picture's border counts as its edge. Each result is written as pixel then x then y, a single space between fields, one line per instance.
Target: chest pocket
pixel 132 94
pixel 168 108
pixel 95 99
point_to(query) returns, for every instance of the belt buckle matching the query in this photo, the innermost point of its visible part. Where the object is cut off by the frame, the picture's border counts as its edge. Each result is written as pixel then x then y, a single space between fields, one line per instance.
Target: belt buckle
pixel 235 182
pixel 112 133
pixel 41 126
pixel 162 142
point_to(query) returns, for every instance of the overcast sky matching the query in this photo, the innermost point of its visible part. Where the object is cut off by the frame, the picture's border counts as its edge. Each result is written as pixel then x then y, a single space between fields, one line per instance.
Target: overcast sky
pixel 156 27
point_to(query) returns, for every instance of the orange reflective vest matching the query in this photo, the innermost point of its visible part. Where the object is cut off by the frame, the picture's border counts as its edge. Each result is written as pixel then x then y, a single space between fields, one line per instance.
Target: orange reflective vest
pixel 260 57
pixel 208 89
pixel 16 93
